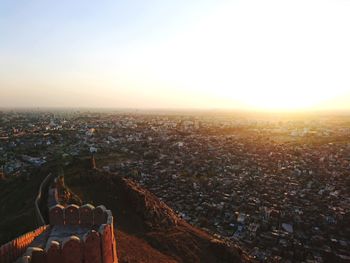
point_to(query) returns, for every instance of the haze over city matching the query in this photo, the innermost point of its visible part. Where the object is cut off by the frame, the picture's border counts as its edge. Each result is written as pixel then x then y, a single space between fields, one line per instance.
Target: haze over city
pixel 256 55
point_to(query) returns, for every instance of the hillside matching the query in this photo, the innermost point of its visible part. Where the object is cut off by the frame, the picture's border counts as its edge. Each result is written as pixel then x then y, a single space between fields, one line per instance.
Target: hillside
pixel 147 230
pixel 17 197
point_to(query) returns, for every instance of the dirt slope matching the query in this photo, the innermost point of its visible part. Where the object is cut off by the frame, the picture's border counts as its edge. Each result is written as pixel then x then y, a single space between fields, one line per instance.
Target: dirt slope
pixel 147 230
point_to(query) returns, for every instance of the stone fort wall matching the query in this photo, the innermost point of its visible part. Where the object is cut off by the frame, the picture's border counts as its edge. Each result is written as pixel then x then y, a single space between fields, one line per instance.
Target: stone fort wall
pixel 78 234
pixel 10 251
pixel 75 234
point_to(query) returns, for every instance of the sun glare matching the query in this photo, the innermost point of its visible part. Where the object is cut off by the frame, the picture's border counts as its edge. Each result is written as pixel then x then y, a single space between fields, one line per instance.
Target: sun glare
pixel 251 54
pixel 283 99
pixel 281 64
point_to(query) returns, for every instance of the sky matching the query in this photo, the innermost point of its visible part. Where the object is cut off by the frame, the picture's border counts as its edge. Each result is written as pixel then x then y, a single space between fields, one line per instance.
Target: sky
pixel 250 54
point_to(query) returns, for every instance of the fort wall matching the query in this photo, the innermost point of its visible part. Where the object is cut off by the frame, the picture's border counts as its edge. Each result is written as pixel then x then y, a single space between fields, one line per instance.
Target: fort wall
pixel 74 234
pixel 39 199
pixel 78 234
pixel 10 251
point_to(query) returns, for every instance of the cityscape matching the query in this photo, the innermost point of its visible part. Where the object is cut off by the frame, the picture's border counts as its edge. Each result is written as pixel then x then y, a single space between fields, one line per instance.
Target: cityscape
pixel 175 131
pixel 277 187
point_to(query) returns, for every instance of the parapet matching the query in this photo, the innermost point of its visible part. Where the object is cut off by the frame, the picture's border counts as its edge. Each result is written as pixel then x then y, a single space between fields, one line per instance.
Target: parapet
pixel 78 234
pixel 15 248
pixel 85 216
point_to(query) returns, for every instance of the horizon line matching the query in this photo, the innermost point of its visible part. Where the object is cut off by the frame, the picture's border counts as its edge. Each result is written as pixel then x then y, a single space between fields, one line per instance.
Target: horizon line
pixel 180 109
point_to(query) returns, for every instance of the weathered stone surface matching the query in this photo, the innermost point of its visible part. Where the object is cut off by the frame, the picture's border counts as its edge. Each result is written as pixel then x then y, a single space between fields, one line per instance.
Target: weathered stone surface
pixel 110 221
pixel 29 251
pixel 100 215
pixel 52 198
pixel 56 215
pixel 92 247
pixel 109 217
pixel 24 259
pixel 38 256
pixel 71 250
pixel 87 215
pixel 53 252
pixel 114 245
pixel 107 244
pixel 71 213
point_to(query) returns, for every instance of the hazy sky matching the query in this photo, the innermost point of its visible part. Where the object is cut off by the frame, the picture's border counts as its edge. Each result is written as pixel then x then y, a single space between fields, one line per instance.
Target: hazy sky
pixel 190 54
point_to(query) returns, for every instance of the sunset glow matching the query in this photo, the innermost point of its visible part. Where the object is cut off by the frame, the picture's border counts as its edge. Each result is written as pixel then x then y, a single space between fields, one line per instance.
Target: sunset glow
pixel 259 55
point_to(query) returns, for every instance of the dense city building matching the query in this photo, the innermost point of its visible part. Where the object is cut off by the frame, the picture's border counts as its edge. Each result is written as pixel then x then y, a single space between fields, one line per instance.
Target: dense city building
pixel 279 187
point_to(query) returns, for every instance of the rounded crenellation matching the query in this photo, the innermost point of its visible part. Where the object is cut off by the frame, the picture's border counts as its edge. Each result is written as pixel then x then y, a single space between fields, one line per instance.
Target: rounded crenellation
pixel 86 215
pixel 98 244
pixel 53 252
pixel 95 246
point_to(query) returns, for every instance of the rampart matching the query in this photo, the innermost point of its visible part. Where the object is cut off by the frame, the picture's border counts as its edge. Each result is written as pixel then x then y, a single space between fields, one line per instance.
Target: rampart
pixel 74 234
pixel 10 251
pixel 77 234
pixel 39 199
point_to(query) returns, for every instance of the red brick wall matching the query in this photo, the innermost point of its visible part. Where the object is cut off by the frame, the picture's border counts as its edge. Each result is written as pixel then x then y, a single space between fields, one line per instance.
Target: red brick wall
pixel 15 248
